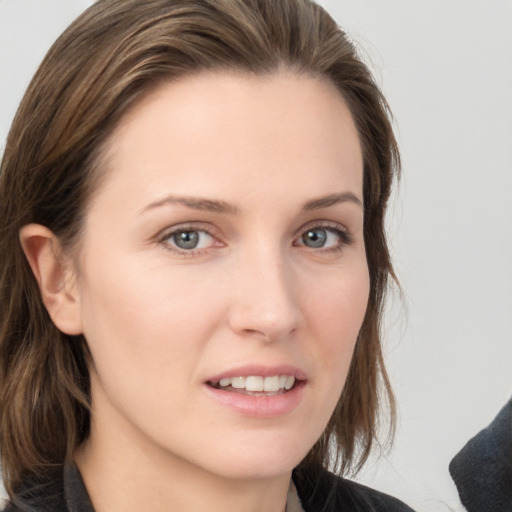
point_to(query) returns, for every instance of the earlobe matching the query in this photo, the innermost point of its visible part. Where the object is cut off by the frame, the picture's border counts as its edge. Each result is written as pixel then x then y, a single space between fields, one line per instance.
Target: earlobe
pixel 55 277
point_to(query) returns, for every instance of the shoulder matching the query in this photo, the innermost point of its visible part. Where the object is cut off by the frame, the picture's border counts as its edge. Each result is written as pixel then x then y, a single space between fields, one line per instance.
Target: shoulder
pixel 326 491
pixel 491 449
pixel 41 494
pixel 59 490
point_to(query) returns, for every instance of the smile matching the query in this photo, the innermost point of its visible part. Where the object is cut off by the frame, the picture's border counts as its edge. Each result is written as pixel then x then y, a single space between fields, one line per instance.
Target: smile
pixel 256 384
pixel 258 391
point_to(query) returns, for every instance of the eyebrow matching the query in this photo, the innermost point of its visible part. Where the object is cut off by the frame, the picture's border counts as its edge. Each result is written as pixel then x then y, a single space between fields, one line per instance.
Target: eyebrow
pixel 217 206
pixel 331 200
pixel 196 203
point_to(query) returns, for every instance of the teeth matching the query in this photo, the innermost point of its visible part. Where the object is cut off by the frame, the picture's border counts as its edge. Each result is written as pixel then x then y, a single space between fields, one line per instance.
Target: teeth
pixel 238 382
pixel 258 383
pixel 271 383
pixel 253 383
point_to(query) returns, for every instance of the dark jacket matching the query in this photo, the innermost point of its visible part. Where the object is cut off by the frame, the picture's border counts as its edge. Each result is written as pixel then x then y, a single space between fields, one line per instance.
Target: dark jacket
pixel 482 470
pixel 64 491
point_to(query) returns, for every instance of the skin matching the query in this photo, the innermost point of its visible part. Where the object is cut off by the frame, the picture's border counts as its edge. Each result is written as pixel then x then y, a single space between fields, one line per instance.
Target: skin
pixel 161 321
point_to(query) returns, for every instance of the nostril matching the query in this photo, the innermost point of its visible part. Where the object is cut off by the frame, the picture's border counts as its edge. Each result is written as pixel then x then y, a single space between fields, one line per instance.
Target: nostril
pixel 263 335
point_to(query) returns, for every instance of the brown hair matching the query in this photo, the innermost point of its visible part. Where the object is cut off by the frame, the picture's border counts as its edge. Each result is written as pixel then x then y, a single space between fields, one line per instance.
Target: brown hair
pixel 111 55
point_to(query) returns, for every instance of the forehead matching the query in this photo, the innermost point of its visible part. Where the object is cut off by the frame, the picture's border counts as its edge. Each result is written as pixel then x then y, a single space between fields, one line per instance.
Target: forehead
pixel 216 131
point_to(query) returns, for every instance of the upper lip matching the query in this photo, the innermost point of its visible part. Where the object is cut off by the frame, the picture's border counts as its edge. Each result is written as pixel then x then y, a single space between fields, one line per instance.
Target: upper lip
pixel 259 370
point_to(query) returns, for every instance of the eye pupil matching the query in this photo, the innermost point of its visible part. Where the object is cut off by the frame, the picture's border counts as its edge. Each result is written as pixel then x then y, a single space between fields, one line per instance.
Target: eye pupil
pixel 314 237
pixel 186 239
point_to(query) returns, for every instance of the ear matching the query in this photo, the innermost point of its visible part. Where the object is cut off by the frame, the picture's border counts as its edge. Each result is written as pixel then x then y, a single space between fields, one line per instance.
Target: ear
pixel 55 277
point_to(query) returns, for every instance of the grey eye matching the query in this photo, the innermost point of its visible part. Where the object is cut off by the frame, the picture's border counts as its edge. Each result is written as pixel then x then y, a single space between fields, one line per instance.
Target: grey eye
pixel 186 239
pixel 315 238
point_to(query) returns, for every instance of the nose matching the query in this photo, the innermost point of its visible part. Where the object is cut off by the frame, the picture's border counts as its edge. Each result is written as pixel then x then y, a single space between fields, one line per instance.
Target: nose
pixel 265 302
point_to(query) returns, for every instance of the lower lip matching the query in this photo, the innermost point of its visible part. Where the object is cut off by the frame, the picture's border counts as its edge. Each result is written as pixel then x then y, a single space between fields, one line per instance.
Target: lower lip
pixel 259 406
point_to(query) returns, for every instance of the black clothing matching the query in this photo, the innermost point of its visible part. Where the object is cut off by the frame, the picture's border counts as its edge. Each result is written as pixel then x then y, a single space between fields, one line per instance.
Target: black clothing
pixel 482 470
pixel 64 491
pixel 327 492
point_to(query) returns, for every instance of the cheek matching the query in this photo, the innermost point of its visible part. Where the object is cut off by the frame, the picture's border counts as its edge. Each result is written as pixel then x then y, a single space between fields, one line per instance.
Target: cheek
pixel 145 319
pixel 336 312
pixel 144 334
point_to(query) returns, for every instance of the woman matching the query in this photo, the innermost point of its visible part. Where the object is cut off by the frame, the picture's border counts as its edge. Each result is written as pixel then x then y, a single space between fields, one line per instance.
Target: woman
pixel 193 196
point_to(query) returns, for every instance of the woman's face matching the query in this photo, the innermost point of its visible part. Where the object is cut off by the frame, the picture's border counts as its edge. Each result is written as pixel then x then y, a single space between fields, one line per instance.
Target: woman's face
pixel 223 254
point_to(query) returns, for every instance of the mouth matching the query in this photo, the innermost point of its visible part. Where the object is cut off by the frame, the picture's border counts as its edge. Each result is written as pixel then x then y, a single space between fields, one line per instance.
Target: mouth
pixel 257 391
pixel 256 385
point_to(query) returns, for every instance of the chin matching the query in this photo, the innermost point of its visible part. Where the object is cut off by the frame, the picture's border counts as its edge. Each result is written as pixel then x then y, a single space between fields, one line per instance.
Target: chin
pixel 257 461
pixel 256 470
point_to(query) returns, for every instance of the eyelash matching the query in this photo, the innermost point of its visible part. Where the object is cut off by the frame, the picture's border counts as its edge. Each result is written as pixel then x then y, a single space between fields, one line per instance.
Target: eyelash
pixel 345 238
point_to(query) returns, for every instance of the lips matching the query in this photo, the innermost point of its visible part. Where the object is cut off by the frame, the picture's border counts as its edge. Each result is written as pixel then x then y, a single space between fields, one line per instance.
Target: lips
pixel 258 391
